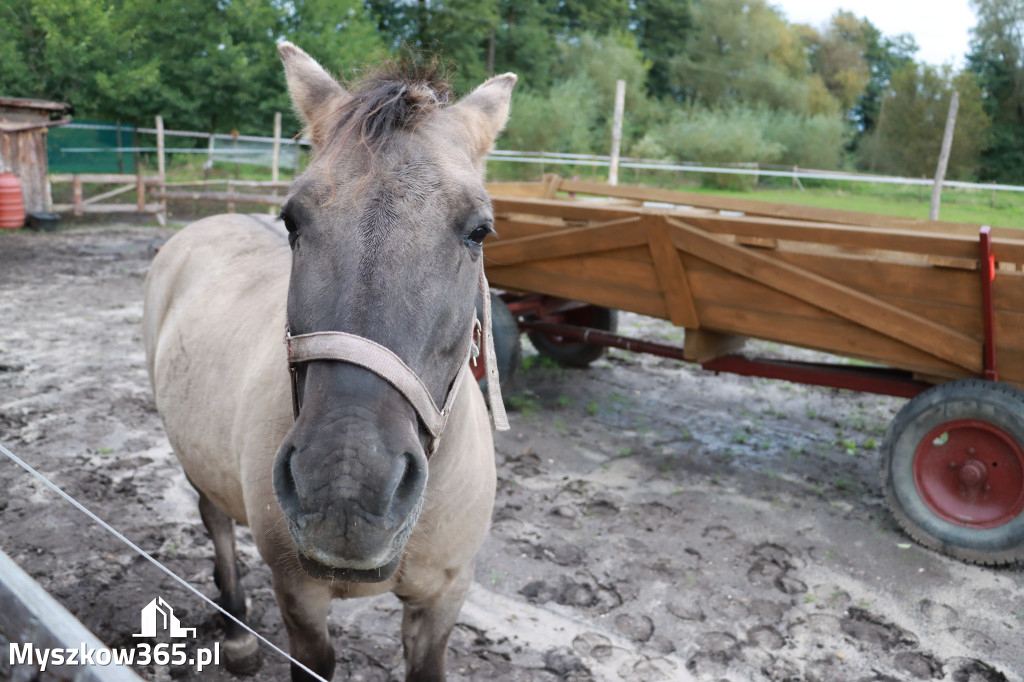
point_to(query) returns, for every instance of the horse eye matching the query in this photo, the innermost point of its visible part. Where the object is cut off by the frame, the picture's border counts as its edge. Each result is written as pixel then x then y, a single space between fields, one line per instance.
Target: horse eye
pixel 480 233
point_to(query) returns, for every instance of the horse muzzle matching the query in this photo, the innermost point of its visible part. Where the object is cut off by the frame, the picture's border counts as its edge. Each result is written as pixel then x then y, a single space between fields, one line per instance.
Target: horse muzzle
pixel 350 477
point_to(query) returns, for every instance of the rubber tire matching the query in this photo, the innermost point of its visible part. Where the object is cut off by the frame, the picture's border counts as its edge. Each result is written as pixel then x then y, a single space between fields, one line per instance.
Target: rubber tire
pixel 507 349
pixel 577 354
pixel 988 401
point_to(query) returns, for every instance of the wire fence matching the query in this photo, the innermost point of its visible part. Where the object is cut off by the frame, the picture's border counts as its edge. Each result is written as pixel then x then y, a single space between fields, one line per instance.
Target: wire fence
pixel 112 147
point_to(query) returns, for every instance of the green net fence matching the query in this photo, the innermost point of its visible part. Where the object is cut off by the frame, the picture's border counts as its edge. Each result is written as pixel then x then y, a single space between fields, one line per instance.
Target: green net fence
pixel 91 147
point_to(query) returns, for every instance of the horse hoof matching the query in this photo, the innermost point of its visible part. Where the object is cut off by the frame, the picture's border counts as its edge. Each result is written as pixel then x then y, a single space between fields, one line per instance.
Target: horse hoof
pixel 242 655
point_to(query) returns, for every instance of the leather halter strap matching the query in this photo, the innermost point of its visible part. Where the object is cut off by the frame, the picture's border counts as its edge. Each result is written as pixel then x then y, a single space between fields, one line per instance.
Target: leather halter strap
pixel 382 361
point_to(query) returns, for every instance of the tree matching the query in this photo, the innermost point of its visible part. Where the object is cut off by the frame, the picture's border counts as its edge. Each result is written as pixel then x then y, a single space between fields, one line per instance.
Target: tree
pixel 908 136
pixel 838 56
pixel 661 28
pixel 745 51
pixel 203 64
pixel 997 57
pixel 84 52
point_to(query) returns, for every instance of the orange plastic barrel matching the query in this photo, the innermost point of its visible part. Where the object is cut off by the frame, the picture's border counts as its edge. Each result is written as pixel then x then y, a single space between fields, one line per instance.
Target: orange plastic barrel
pixel 12 206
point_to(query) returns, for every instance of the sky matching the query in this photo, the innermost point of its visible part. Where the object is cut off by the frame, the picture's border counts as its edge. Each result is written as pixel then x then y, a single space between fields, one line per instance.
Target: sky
pixel 940 27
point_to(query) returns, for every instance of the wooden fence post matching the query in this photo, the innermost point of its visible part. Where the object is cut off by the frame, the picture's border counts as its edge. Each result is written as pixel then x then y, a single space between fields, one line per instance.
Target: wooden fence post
pixel 947 143
pixel 276 156
pixel 161 165
pixel 76 184
pixel 620 104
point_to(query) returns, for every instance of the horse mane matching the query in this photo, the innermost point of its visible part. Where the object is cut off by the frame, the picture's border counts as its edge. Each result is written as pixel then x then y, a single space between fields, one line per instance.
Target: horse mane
pixel 398 95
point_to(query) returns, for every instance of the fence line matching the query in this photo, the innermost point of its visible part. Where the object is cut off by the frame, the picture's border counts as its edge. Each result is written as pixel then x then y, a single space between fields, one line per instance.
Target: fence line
pixel 553 158
pixel 149 557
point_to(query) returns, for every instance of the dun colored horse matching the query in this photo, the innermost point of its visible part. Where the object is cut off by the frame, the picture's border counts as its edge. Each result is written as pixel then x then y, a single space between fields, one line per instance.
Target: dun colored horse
pixel 332 447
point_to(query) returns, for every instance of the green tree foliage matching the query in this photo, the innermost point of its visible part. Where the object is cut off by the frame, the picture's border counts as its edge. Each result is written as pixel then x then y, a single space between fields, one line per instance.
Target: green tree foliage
pixel 84 52
pixel 201 64
pixel 661 28
pixel 884 55
pixel 908 137
pixel 745 51
pixel 574 114
pixel 838 56
pixel 710 80
pixel 997 57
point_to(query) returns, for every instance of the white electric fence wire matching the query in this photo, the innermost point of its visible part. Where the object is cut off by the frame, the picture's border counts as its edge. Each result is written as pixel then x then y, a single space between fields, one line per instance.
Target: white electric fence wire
pixel 78 505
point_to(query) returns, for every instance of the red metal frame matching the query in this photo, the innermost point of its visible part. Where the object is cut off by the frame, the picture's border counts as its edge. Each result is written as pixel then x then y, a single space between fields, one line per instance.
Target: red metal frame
pixel 988 275
pixel 871 379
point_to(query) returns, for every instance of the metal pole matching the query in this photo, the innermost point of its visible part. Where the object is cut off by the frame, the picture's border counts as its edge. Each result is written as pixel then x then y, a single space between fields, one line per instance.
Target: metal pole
pixel 947 143
pixel 620 104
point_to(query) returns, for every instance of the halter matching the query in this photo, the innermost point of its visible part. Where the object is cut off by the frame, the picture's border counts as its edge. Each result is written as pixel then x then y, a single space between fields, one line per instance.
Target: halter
pixel 382 361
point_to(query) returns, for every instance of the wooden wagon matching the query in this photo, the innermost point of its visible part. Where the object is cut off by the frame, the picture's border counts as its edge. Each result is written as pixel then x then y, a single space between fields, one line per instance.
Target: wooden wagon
pixel 929 310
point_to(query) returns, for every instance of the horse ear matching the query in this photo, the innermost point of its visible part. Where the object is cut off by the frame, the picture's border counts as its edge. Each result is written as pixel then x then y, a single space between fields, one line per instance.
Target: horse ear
pixel 485 112
pixel 315 94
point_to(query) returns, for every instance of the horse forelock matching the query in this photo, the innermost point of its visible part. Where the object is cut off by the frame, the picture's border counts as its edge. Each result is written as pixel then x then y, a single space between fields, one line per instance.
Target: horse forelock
pixel 398 96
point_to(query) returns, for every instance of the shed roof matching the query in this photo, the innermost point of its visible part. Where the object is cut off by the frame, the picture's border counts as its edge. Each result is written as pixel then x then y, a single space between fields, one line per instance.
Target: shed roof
pixel 27 103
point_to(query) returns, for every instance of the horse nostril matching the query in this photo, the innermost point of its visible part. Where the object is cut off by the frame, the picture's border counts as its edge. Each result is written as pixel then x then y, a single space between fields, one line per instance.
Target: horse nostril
pixel 284 481
pixel 409 485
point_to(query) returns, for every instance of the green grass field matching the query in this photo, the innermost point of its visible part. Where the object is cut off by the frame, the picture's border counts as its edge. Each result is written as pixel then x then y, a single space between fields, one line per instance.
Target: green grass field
pixel 979 207
pixel 1005 209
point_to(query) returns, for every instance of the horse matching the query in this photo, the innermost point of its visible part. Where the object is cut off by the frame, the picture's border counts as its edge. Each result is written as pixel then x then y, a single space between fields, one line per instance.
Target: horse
pixel 330 445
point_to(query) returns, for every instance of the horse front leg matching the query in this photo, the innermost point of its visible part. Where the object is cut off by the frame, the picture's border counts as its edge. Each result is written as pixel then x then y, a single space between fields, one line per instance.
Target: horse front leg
pixel 305 604
pixel 426 625
pixel 241 648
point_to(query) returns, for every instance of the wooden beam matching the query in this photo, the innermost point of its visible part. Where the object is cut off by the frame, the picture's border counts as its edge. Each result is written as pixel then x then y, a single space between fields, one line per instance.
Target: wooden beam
pixel 99 178
pixel 672 277
pixel 753 207
pixel 111 193
pixel 568 209
pixel 575 241
pixel 936 339
pixel 859 237
pixel 701 345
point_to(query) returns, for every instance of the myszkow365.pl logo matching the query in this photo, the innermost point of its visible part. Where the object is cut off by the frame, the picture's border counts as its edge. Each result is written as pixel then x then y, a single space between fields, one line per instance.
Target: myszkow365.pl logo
pixel 157 617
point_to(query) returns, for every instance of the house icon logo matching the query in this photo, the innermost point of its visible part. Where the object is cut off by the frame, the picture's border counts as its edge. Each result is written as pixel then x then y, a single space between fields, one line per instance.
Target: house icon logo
pixel 158 615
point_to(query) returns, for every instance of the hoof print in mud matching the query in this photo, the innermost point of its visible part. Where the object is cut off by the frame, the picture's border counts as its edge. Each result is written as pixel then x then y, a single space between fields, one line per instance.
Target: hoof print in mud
pixel 870 629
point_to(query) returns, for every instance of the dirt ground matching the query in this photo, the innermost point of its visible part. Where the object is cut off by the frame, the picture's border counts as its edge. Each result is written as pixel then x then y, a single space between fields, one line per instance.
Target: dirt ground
pixel 653 522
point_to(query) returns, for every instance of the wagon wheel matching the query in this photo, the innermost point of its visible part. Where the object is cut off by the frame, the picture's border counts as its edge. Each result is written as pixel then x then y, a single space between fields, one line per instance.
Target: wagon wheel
pixel 953 470
pixel 576 353
pixel 506 345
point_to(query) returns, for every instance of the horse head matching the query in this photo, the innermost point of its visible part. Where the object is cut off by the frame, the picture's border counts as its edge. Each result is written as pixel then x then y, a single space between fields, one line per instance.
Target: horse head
pixel 385 227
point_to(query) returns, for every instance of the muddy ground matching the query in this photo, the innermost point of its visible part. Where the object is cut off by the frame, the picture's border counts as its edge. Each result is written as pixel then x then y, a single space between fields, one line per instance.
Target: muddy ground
pixel 653 521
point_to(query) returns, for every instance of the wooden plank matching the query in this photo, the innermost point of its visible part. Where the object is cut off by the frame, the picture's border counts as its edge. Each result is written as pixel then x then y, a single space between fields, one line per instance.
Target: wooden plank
pixel 753 207
pixel 523 190
pixel 956 246
pixel 525 278
pixel 99 178
pixel 603 268
pixel 77 196
pixel 28 614
pixel 941 341
pixel 701 345
pixel 551 183
pixel 570 242
pixel 229 197
pixel 567 209
pixel 672 277
pixel 829 335
pixel 111 193
pixel 921 282
pixel 111 208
